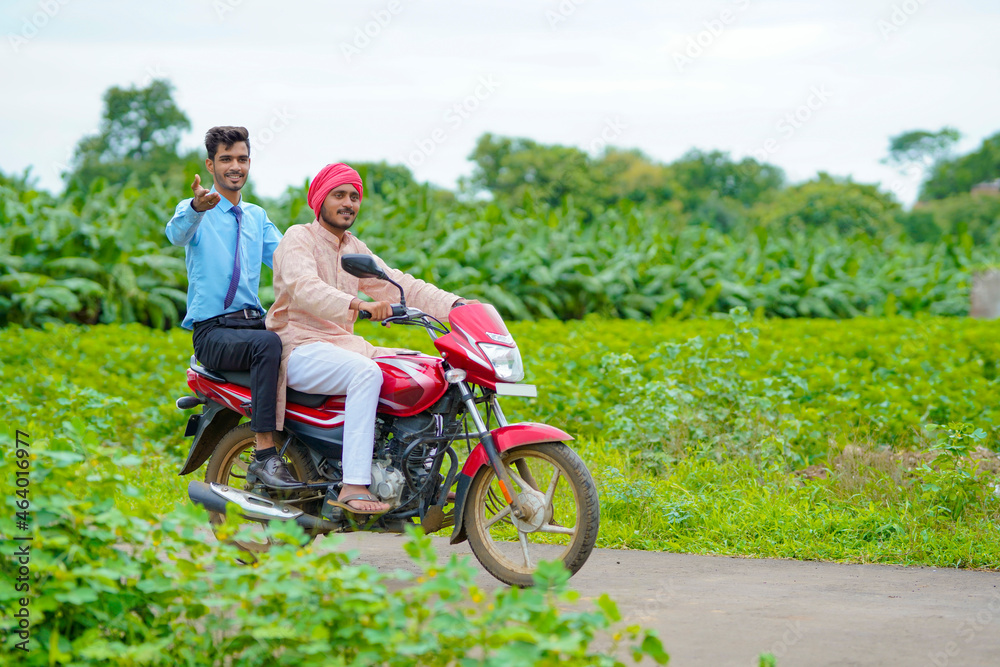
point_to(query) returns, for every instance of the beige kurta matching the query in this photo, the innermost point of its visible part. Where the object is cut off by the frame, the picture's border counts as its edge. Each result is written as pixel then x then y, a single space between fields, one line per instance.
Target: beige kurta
pixel 313 295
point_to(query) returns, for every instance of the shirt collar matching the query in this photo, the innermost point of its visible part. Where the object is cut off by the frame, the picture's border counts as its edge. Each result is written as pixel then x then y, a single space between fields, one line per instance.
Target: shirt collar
pixel 224 205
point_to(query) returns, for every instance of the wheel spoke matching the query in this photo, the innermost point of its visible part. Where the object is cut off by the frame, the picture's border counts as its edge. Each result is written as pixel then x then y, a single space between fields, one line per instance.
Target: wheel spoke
pixel 499 515
pixel 517 478
pixel 551 491
pixel 553 528
pixel 494 502
pixel 523 539
pixel 525 472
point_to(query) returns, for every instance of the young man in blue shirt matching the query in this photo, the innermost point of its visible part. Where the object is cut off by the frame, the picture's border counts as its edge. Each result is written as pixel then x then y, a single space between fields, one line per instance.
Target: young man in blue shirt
pixel 225 242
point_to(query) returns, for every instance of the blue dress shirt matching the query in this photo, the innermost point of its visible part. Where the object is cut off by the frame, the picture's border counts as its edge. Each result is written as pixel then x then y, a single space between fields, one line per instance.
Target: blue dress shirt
pixel 209 240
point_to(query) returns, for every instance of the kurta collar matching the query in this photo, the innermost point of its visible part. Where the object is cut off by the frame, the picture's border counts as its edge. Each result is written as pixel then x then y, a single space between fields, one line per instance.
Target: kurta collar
pixel 329 236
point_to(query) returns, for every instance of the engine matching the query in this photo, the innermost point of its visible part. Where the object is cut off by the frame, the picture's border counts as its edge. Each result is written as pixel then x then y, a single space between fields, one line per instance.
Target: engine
pixel 387 482
pixel 399 445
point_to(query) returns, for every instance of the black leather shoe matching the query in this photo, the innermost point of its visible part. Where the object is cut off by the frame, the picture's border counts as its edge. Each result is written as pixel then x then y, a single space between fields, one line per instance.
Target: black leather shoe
pixel 273 473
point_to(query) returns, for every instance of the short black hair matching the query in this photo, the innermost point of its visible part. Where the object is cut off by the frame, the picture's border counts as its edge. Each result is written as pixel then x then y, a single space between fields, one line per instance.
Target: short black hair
pixel 226 136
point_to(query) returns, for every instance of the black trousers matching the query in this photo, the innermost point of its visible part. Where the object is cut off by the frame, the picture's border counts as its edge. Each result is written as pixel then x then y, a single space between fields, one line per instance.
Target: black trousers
pixel 241 345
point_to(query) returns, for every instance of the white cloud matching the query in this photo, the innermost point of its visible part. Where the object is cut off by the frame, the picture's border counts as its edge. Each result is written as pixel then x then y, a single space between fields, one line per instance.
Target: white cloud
pixel 558 85
pixel 761 43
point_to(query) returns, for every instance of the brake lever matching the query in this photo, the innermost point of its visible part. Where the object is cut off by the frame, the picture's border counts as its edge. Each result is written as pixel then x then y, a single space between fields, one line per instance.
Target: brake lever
pixel 410 316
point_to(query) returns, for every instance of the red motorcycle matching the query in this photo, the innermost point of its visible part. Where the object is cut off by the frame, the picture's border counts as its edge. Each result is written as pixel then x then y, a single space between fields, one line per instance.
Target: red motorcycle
pixel 520 496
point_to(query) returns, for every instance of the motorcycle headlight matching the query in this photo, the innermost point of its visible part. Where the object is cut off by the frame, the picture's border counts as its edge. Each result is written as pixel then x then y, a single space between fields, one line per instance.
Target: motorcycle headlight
pixel 506 361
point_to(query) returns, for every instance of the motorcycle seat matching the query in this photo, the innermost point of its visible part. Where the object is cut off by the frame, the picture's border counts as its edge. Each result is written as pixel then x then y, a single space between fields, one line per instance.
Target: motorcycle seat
pixel 242 379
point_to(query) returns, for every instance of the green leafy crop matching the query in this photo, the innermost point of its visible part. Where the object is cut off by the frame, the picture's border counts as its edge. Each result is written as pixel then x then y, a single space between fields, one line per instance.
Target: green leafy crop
pixel 101 256
pixel 110 586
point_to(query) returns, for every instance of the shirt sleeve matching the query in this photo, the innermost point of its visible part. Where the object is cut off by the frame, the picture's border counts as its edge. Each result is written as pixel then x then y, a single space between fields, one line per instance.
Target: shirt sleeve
pixel 419 294
pixel 184 225
pixel 296 275
pixel 272 237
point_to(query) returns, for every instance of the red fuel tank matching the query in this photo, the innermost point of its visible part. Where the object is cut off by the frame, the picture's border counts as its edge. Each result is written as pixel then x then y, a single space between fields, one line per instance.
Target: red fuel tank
pixel 411 383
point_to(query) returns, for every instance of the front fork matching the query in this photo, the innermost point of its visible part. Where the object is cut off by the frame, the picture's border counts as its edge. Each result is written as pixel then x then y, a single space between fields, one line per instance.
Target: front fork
pixel 484 435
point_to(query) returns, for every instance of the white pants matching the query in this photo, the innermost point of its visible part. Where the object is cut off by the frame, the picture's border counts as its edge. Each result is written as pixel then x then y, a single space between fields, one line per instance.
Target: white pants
pixel 324 368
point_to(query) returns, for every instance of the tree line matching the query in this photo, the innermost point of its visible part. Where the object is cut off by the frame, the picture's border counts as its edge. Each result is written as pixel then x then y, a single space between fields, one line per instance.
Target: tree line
pixel 697 235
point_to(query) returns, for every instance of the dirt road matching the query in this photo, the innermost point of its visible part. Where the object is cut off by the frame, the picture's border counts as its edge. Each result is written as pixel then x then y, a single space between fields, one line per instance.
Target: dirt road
pixel 726 611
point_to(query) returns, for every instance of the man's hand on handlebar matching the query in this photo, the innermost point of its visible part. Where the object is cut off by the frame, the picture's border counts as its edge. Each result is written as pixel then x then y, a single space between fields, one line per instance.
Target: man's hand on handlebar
pixel 377 310
pixel 465 302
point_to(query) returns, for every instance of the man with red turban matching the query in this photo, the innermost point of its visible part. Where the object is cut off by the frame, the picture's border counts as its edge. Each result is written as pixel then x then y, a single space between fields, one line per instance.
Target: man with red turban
pixel 314 311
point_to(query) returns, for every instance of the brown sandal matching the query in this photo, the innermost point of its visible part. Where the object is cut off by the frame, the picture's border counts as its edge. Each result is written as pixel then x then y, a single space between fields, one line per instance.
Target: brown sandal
pixel 367 497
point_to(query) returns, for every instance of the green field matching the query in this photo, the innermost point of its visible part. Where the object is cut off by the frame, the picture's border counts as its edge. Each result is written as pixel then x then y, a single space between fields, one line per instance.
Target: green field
pixel 798 438
pixel 780 438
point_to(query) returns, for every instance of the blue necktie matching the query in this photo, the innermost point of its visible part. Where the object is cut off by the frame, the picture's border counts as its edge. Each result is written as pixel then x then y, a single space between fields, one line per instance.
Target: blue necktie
pixel 234 283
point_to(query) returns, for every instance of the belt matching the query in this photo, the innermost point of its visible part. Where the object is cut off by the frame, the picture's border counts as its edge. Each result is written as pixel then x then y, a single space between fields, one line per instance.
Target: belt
pixel 245 314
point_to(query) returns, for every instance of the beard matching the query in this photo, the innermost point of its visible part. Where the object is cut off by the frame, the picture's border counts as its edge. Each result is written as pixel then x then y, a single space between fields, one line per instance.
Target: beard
pixel 336 219
pixel 222 181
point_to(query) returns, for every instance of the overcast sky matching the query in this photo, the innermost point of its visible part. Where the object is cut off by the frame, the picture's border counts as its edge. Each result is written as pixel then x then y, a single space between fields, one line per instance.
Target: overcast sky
pixel 805 85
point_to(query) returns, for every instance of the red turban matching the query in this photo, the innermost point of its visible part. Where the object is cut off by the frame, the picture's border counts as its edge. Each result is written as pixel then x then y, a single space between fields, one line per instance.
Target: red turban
pixel 329 178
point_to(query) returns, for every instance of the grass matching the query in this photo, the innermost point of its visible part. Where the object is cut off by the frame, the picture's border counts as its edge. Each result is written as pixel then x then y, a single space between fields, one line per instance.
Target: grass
pixel 735 508
pixel 866 512
pixel 844 401
pixel 163 489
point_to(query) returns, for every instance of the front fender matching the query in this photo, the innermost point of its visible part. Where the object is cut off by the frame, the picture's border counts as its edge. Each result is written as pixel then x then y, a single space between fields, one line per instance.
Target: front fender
pixel 505 437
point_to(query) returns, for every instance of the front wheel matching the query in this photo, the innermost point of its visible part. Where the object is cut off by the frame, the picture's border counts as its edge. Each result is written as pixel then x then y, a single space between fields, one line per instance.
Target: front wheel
pixel 561 513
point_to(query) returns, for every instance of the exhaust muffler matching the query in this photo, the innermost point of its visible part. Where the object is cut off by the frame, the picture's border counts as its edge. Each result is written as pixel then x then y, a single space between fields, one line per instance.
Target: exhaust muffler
pixel 214 497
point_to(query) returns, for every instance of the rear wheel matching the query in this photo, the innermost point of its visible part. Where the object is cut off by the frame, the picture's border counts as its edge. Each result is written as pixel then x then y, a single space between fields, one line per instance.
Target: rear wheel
pixel 228 467
pixel 561 513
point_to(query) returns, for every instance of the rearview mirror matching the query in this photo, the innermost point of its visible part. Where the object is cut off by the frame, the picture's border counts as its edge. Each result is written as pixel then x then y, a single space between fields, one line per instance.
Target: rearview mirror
pixel 362 266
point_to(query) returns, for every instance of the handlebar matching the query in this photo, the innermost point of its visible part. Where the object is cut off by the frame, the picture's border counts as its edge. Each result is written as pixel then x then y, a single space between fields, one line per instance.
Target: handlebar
pixel 397 311
pixel 404 315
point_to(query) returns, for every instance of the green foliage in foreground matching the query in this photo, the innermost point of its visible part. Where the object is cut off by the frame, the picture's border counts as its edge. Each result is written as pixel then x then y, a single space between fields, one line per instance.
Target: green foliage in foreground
pixel 694 430
pixel 135 589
